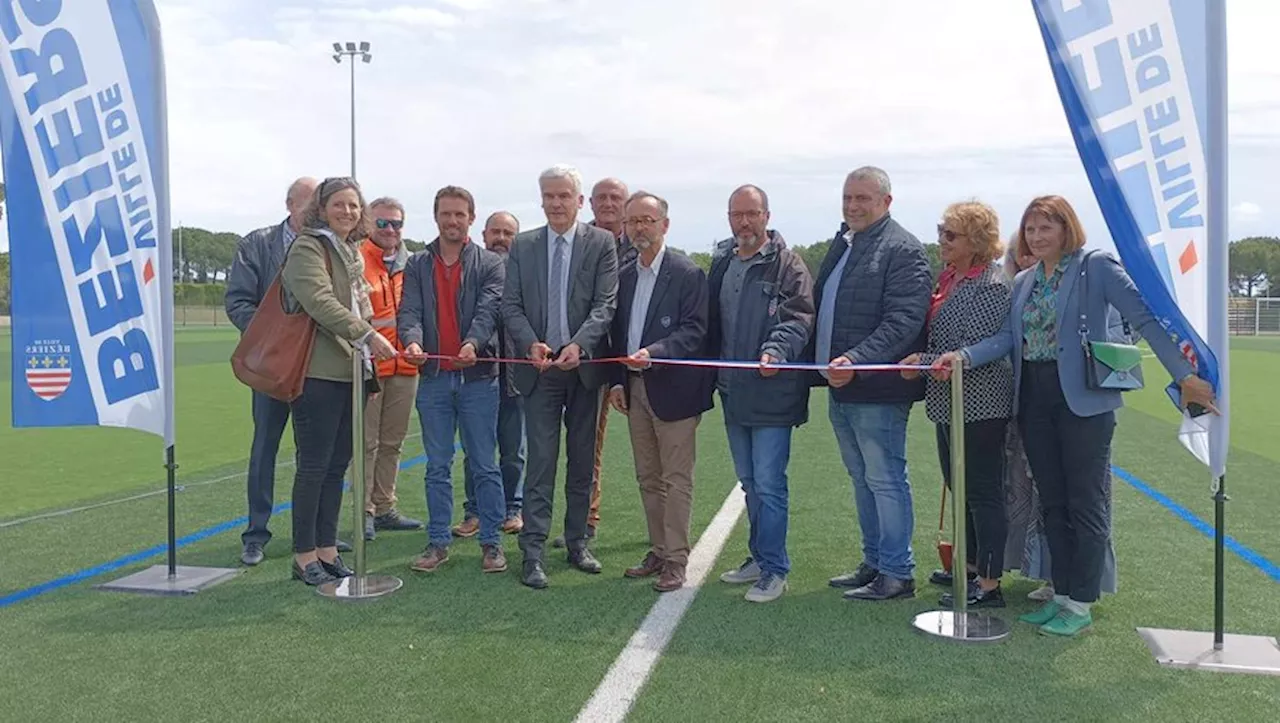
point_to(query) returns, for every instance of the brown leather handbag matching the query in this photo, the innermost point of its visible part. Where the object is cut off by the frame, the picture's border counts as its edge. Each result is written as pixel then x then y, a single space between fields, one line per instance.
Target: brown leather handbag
pixel 275 350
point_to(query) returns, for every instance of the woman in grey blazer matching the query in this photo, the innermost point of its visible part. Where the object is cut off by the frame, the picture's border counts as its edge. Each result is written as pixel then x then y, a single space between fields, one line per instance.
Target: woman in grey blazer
pixel 1067 426
pixel 970 303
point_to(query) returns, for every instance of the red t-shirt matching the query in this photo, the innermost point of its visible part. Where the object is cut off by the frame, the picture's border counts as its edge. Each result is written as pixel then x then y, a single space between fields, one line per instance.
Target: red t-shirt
pixel 448 280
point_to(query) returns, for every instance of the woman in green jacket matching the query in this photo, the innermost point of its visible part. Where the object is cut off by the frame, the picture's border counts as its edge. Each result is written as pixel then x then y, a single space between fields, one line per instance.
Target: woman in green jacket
pixel 324 274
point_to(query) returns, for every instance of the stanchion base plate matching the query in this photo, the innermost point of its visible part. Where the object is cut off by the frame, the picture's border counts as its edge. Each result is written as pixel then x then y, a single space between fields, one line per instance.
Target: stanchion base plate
pixel 360 588
pixel 961 627
pixel 155 580
pixel 1255 654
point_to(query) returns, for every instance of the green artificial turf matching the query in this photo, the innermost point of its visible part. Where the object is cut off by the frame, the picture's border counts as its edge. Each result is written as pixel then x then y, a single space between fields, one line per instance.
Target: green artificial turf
pixel 459 645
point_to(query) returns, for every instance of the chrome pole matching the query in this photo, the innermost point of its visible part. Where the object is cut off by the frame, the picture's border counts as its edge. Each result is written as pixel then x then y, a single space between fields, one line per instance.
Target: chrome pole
pixel 357 459
pixel 359 586
pixel 958 623
pixel 960 504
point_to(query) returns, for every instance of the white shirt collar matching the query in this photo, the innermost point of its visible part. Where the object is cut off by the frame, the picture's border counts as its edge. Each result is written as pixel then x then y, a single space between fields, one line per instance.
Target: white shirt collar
pixel 569 235
pixel 657 262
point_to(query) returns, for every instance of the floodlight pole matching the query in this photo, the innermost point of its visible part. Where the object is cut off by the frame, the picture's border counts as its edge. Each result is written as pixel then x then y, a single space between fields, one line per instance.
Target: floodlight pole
pixel 350 51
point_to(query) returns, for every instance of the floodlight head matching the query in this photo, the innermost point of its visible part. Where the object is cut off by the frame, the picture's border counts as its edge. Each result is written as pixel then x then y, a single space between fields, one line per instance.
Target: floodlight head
pixel 351 47
pixel 337 47
pixel 337 58
pixel 364 46
pixel 367 57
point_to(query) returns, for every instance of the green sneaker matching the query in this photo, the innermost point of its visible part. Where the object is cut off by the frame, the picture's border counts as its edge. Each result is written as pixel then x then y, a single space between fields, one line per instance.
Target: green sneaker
pixel 1043 615
pixel 1067 625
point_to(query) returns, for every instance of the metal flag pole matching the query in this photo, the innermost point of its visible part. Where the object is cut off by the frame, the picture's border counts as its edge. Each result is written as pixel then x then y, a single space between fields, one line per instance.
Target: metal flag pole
pixel 1217 651
pixel 359 586
pixel 958 624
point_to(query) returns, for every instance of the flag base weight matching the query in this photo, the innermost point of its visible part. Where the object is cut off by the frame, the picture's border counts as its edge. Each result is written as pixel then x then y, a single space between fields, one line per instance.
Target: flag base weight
pixel 155 580
pixel 363 587
pixel 964 627
pixel 1189 649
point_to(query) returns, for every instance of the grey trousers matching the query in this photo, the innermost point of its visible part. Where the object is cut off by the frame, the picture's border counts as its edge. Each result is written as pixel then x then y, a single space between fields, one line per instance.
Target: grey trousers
pixel 558 399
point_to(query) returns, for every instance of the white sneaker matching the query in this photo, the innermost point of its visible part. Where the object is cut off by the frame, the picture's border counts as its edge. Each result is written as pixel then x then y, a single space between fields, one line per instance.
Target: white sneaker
pixel 747 572
pixel 767 589
pixel 1041 594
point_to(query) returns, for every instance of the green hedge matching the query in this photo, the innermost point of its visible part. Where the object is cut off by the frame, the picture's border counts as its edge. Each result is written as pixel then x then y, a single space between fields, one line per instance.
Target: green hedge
pixel 199 294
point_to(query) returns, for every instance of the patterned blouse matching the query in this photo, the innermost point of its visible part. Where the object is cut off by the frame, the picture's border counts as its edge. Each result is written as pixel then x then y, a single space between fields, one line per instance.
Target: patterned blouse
pixel 976 308
pixel 1040 315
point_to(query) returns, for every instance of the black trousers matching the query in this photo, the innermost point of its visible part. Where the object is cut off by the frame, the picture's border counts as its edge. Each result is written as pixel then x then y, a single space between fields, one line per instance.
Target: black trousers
pixel 1069 457
pixel 559 398
pixel 986 526
pixel 322 434
pixel 269 419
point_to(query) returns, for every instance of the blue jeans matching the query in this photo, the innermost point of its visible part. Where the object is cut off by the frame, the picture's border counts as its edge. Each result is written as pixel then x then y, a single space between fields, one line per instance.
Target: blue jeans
pixel 873 445
pixel 760 457
pixel 447 403
pixel 511 456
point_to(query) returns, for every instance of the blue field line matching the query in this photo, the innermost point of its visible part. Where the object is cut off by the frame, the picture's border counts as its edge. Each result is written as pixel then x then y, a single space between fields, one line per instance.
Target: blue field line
pixel 142 555
pixel 1268 568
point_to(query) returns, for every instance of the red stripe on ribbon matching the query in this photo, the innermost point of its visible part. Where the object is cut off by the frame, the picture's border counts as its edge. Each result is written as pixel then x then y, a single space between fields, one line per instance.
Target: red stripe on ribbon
pixel 704 363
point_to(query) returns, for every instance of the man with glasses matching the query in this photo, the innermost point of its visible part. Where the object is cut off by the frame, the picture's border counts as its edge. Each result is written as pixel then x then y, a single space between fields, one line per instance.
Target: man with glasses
pixel 873 296
pixel 386 416
pixel 662 313
pixel 761 309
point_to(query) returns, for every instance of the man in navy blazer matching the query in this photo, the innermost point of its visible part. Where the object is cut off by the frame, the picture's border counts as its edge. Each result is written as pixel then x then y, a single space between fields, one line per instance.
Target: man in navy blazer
pixel 662 313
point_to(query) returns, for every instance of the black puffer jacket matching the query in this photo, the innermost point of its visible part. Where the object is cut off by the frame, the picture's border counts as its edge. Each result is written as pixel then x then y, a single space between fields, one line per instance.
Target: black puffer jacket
pixel 882 300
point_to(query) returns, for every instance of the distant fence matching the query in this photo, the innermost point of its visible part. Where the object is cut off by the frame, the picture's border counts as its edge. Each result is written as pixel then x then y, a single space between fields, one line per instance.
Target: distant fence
pixel 1254 316
pixel 200 316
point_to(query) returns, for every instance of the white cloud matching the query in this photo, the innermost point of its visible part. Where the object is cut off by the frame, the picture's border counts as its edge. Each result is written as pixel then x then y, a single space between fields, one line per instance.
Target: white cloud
pixel 1247 208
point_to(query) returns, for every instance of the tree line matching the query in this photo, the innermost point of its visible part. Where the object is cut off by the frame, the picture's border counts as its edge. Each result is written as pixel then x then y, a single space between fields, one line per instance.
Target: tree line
pixel 206 257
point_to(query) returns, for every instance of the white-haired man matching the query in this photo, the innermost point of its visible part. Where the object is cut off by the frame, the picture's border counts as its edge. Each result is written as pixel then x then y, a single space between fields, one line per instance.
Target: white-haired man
pixel 561 292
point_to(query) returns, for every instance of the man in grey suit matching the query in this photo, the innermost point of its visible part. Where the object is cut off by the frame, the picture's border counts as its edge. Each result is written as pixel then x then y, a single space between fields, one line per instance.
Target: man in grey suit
pixel 258 259
pixel 561 292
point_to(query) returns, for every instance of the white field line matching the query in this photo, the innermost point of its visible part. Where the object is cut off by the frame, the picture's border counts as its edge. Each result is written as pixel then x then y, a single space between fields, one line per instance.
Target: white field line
pixel 613 699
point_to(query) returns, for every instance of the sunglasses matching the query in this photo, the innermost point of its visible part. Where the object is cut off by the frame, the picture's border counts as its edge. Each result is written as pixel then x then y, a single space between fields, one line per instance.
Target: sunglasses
pixel 385 222
pixel 948 234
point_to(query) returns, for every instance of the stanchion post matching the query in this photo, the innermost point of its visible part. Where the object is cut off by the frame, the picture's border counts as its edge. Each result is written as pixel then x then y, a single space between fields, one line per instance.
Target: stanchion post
pixel 359 586
pixel 959 505
pixel 958 624
pixel 357 461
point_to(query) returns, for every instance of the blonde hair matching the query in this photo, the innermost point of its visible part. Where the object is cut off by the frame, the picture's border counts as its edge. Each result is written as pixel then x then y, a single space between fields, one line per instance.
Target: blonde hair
pixel 1055 208
pixel 979 223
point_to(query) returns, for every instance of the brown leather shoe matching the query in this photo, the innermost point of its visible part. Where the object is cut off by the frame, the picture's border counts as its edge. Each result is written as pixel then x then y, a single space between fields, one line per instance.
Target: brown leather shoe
pixel 467 528
pixel 495 560
pixel 648 567
pixel 513 524
pixel 672 578
pixel 431 559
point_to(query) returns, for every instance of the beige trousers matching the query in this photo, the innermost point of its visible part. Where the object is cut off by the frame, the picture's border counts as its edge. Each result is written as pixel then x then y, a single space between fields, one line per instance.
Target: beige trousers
pixel 386 422
pixel 664 455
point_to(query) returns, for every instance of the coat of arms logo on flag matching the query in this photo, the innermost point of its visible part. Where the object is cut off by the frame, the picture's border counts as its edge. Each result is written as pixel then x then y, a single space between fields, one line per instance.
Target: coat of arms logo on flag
pixel 48 368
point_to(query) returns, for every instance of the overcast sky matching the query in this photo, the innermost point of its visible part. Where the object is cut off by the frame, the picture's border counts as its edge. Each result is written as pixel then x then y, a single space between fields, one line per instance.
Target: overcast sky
pixel 687 99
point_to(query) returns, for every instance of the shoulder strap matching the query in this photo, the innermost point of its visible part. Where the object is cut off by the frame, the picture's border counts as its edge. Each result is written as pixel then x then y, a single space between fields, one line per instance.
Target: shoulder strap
pixel 1084 296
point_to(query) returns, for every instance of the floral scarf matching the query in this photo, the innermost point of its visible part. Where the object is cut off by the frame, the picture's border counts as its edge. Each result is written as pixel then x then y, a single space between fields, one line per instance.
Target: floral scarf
pixel 353 261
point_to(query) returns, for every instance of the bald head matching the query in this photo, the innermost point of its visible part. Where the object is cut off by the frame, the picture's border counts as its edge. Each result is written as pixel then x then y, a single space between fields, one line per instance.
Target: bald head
pixel 297 198
pixel 608 198
pixel 500 231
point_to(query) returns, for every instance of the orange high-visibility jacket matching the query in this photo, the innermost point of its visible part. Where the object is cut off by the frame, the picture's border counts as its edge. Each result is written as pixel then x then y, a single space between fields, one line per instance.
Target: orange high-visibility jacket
pixel 388 286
